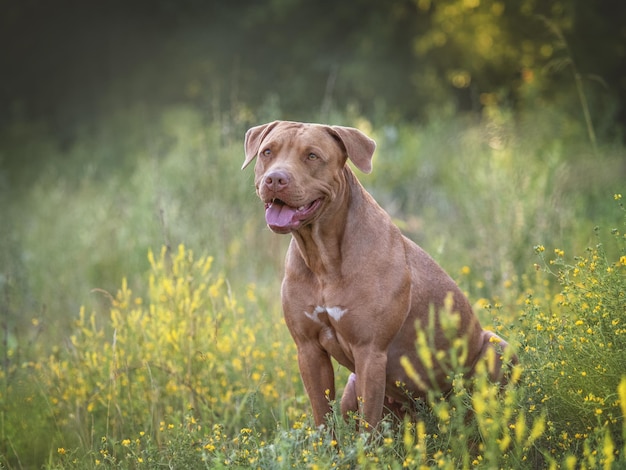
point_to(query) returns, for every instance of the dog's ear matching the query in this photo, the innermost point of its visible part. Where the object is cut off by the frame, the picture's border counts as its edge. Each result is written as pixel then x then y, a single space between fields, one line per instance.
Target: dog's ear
pixel 359 147
pixel 253 139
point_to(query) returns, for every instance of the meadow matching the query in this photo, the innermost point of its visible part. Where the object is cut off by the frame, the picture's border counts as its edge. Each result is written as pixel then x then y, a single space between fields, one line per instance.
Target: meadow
pixel 142 324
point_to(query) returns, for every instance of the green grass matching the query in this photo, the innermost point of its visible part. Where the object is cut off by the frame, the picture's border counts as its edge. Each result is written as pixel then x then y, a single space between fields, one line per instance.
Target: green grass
pixel 180 358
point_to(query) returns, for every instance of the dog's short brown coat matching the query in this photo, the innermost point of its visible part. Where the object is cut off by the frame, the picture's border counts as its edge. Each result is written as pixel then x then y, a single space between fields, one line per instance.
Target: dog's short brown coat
pixel 354 287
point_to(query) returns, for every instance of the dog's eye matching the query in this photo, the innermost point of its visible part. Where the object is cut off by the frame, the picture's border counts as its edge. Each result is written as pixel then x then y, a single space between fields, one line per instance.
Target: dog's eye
pixel 266 152
pixel 312 156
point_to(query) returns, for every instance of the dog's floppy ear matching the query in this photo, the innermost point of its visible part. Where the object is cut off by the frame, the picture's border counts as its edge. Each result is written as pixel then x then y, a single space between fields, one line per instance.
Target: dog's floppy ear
pixel 359 147
pixel 254 136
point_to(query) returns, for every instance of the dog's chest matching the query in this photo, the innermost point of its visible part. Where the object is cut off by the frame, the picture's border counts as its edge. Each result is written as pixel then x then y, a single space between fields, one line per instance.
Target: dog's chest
pixel 327 327
pixel 335 313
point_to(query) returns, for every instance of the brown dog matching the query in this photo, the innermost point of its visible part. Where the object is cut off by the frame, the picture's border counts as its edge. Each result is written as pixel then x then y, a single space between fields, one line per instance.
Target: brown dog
pixel 354 288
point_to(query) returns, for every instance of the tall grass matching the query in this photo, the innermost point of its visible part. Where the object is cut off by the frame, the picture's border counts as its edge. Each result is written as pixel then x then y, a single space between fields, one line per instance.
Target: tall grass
pixel 191 377
pixel 183 360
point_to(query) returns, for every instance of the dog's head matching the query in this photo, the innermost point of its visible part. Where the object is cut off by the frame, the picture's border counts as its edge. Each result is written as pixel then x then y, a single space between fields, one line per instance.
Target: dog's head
pixel 299 167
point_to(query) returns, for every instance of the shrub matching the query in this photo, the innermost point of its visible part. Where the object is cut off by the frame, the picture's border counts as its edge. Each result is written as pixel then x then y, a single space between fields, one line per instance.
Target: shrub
pixel 190 377
pixel 188 352
pixel 574 345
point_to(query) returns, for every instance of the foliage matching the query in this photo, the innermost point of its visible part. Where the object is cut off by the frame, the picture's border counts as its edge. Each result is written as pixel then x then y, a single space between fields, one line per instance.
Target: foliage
pixel 121 133
pixel 191 377
pixel 581 332
pixel 174 178
pixel 496 182
pixel 189 349
pixel 189 364
pixel 393 60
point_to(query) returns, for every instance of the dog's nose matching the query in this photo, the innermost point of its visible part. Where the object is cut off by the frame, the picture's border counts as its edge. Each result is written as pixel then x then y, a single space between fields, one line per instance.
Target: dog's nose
pixel 277 180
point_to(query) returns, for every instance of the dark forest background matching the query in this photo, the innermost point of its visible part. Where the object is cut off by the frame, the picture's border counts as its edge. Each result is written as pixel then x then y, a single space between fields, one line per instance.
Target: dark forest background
pixel 67 63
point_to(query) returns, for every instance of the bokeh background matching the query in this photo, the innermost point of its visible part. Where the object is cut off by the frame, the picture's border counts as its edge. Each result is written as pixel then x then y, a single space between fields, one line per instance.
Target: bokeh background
pixel 500 125
pixel 96 95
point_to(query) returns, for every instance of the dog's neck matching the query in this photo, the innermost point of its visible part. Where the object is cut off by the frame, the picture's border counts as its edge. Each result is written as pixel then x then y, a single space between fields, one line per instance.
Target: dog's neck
pixel 320 242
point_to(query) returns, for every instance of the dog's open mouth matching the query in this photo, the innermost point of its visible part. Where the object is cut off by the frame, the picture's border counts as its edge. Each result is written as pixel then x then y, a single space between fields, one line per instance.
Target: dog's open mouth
pixel 283 218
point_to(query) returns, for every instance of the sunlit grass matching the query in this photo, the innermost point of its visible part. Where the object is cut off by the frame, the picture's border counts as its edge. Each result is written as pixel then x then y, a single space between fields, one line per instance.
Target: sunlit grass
pixel 190 376
pixel 182 359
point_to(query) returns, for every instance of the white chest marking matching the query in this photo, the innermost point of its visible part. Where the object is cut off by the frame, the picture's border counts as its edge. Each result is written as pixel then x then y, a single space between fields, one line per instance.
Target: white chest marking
pixel 334 312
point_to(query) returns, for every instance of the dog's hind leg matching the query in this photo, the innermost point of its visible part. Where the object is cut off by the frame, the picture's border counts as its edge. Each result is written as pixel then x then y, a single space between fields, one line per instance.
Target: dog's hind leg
pixel 349 402
pixel 498 356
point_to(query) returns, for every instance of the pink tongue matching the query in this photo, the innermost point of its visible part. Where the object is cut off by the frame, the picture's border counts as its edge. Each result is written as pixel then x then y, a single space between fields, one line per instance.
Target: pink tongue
pixel 279 215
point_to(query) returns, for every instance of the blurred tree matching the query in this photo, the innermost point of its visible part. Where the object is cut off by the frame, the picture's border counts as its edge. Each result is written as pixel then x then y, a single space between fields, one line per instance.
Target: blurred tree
pixel 69 61
pixel 518 52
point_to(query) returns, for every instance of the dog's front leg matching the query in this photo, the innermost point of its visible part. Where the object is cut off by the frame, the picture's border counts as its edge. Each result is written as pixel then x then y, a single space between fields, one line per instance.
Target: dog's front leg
pixel 318 377
pixel 370 385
